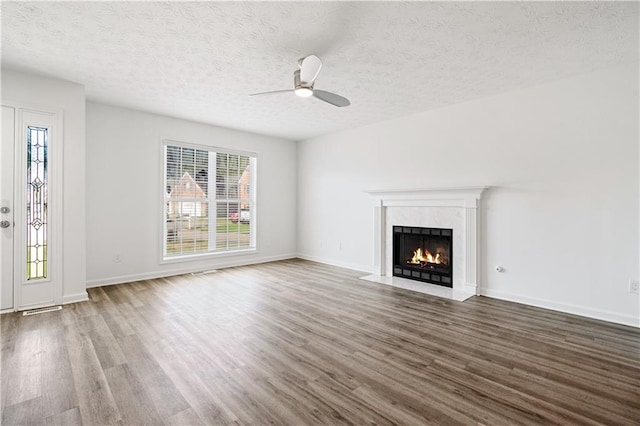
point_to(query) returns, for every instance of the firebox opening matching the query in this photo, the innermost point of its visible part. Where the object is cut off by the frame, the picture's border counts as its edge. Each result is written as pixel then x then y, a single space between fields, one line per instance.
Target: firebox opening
pixel 423 254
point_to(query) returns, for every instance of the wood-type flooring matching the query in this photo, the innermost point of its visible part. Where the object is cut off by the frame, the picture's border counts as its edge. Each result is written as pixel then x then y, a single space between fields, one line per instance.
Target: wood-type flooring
pixel 301 343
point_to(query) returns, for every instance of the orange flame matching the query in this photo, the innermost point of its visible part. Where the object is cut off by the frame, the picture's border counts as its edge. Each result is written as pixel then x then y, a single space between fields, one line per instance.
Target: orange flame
pixel 426 257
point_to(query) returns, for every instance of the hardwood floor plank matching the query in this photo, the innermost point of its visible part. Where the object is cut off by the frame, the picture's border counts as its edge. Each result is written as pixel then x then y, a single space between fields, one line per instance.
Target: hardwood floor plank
pixel 586 403
pixel 296 392
pixel 70 417
pixel 22 363
pixel 184 372
pixel 296 342
pixel 395 405
pixel 448 398
pixel 161 390
pixel 118 325
pixel 104 342
pixel 9 326
pixel 26 413
pixel 58 387
pixel 186 417
pixel 278 411
pixel 96 403
pixel 298 399
pixel 133 402
pixel 547 412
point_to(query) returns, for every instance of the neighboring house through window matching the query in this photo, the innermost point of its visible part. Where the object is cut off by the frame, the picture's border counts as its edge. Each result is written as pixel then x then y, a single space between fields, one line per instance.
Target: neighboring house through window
pixel 209 200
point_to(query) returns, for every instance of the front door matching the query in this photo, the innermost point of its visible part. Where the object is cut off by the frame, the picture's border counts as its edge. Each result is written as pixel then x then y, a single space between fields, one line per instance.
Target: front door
pixel 6 208
pixel 31 208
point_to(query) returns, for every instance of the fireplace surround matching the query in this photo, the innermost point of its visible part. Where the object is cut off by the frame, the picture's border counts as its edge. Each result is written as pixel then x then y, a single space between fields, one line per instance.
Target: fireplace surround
pixel 455 208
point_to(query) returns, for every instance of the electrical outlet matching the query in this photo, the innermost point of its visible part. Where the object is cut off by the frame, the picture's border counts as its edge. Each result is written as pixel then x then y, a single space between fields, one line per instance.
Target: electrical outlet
pixel 634 286
pixel 116 258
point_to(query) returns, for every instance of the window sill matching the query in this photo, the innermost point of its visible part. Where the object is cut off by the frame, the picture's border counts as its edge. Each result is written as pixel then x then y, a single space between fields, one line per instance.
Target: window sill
pixel 205 256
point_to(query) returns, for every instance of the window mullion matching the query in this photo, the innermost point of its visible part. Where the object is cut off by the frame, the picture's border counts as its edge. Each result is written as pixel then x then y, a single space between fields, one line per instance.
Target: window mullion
pixel 213 205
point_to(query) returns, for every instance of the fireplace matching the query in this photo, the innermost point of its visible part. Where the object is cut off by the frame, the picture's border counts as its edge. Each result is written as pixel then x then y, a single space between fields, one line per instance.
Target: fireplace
pixel 423 254
pixel 454 209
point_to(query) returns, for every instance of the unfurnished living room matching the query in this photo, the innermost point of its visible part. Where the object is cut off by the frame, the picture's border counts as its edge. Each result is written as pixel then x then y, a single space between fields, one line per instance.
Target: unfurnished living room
pixel 296 213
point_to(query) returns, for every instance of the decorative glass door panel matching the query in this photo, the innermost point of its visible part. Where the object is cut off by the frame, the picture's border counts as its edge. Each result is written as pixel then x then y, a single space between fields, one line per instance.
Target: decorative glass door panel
pixel 37 202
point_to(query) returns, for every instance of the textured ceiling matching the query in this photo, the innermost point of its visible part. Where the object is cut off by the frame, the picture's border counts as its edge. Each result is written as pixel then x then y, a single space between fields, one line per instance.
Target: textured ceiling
pixel 200 60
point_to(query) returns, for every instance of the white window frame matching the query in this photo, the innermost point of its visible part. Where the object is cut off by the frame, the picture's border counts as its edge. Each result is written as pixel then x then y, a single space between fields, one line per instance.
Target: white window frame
pixel 252 249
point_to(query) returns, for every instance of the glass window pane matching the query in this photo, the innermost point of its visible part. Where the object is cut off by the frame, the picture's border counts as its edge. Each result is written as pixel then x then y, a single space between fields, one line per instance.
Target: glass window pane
pixel 37 202
pixel 188 197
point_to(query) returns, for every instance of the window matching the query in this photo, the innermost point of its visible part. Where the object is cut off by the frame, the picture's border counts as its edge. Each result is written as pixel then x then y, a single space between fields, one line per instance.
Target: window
pixel 209 200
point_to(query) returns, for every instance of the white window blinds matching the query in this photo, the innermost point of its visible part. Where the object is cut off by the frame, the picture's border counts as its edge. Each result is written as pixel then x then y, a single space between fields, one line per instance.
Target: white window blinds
pixel 209 200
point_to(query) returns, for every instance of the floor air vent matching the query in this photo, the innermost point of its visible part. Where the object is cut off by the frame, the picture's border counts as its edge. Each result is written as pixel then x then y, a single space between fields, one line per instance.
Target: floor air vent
pixel 211 271
pixel 41 310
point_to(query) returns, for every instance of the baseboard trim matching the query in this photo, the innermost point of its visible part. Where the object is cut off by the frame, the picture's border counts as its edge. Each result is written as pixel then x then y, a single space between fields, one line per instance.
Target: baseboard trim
pixel 74 298
pixel 367 269
pixel 471 288
pixel 583 311
pixel 184 270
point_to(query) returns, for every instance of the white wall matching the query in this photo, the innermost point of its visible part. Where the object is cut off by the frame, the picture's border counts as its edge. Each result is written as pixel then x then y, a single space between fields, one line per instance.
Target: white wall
pixel 563 162
pixel 124 208
pixel 27 90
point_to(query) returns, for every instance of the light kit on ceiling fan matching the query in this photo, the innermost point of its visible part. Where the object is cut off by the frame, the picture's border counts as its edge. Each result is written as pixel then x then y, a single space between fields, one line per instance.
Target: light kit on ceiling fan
pixel 303 92
pixel 304 79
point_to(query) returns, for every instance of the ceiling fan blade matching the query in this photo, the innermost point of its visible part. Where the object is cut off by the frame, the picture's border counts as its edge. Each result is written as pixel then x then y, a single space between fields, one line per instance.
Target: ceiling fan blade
pixel 331 98
pixel 309 69
pixel 271 92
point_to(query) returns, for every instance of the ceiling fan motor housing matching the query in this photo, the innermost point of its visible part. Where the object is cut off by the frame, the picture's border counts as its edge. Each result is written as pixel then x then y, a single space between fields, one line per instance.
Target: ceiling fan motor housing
pixel 301 88
pixel 298 84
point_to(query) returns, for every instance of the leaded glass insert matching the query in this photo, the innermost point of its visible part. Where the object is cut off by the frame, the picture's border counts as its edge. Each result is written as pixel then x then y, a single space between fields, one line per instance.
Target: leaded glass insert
pixel 37 202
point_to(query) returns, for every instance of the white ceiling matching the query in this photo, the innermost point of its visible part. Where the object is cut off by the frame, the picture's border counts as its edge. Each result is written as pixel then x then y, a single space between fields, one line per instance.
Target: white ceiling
pixel 200 60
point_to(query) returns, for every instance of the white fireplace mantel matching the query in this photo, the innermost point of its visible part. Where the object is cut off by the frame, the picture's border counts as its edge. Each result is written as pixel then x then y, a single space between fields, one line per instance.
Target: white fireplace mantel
pixel 467 199
pixel 465 196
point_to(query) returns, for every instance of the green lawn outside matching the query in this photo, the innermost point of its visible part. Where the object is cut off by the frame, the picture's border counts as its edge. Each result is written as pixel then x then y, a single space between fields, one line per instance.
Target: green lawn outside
pixel 195 240
pixel 225 225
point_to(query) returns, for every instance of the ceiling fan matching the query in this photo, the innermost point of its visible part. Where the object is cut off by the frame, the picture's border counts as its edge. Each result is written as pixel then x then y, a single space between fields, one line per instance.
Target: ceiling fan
pixel 303 80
